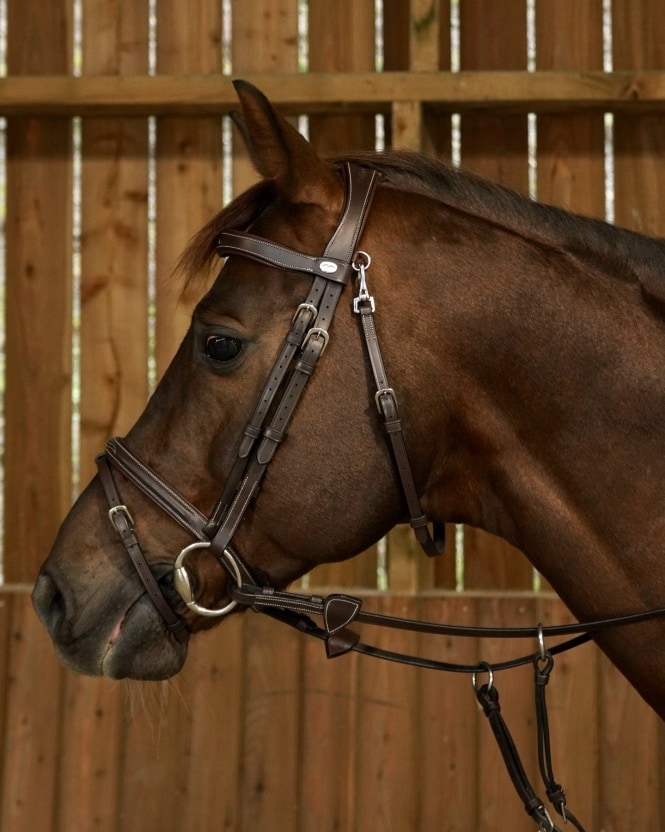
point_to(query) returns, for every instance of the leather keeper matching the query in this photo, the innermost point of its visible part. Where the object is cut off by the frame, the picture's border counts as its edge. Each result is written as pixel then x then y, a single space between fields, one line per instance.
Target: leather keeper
pixel 339 643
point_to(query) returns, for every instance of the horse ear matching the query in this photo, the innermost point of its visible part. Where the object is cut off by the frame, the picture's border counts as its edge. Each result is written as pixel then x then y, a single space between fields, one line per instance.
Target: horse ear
pixel 278 151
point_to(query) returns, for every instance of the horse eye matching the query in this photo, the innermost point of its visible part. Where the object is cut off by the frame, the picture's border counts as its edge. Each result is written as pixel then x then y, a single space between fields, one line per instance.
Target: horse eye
pixel 223 347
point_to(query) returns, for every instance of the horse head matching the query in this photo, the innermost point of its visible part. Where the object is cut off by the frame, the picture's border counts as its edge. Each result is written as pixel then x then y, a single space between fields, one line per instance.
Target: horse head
pixel 330 490
pixel 525 348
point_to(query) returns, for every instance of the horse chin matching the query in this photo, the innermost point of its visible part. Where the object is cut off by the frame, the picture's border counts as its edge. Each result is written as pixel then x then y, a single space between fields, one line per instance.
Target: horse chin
pixel 138 647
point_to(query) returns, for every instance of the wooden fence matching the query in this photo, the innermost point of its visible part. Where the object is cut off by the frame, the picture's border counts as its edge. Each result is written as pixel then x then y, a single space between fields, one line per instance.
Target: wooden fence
pixel 115 155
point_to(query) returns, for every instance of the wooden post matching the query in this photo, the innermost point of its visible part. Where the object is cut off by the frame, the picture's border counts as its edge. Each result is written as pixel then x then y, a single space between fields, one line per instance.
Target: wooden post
pixel 38 301
pixel 189 163
pixel 264 40
pixel 114 237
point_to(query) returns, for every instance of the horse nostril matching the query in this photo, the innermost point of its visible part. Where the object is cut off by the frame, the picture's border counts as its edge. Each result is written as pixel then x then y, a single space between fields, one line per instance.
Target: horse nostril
pixel 49 602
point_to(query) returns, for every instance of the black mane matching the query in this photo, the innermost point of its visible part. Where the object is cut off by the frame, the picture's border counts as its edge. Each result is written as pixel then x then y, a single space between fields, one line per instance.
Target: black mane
pixel 628 255
pixel 625 254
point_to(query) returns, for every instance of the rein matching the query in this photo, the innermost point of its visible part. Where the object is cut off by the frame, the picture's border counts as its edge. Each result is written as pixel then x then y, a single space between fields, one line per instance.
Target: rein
pixel 301 350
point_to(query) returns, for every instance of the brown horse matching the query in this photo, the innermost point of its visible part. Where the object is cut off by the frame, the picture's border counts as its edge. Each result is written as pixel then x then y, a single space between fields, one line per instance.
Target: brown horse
pixel 526 347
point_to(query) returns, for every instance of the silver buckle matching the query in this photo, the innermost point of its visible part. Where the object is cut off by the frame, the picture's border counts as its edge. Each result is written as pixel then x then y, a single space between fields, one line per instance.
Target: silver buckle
pixel 384 391
pixel 305 307
pixel 120 510
pixel 316 332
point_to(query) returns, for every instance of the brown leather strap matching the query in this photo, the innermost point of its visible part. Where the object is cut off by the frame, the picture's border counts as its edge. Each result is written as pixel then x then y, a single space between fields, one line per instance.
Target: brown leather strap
pixel 263 251
pixel 159 491
pixel 340 249
pixel 122 522
pixel 308 337
pixel 386 402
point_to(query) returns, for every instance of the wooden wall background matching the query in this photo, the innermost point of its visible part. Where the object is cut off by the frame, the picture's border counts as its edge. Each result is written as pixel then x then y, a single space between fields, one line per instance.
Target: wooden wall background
pixel 260 732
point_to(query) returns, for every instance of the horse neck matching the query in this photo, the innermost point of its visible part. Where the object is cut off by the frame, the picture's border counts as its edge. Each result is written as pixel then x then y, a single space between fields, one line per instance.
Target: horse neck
pixel 554 384
pixel 552 376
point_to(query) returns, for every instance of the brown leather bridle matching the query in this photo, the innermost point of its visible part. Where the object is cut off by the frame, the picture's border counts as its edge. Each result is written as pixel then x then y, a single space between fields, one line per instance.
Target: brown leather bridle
pixel 301 350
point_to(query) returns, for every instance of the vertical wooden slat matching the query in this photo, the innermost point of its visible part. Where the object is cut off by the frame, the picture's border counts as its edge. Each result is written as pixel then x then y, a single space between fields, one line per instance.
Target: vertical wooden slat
pixel 272 724
pixel 639 141
pixel 450 791
pixel 38 299
pixel 571 158
pixel 88 763
pixel 189 161
pixel 31 741
pixel 114 233
pixel 494 145
pixel 153 787
pixel 412 34
pixel 341 37
pixel 330 713
pixel 631 777
pixel 37 411
pixel 387 773
pixel 264 40
pixel 181 760
pixel 113 367
pixel 215 706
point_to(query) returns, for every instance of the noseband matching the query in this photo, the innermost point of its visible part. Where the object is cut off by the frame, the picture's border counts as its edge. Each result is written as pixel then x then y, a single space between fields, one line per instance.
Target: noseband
pixel 302 348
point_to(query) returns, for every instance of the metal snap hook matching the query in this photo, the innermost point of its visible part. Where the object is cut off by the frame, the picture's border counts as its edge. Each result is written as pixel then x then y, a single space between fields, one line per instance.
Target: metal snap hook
pixel 364 296
pixel 357 265
pixel 183 584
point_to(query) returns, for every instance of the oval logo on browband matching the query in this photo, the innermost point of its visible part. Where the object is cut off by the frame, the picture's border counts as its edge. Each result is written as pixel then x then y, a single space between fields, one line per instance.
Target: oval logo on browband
pixel 327 267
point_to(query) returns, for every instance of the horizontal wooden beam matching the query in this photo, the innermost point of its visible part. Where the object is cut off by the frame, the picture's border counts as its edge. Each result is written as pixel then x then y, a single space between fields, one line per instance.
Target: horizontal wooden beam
pixel 204 95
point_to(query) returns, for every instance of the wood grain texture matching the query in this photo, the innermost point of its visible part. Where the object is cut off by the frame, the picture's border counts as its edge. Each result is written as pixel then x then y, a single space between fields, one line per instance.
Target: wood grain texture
pixel 188 163
pixel 271 756
pixel 31 740
pixel 518 91
pixel 571 148
pixel 114 238
pixel 262 731
pixel 264 40
pixel 336 46
pixel 38 301
pixel 387 734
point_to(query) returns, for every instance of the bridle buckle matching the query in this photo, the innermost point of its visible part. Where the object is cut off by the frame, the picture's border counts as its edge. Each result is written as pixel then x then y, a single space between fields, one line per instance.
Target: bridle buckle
pixel 123 511
pixel 316 332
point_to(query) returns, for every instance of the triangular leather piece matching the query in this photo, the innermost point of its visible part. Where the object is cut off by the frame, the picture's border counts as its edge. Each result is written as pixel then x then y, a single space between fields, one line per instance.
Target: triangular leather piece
pixel 341 642
pixel 339 611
